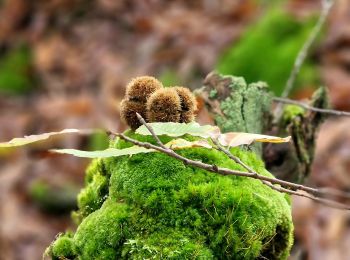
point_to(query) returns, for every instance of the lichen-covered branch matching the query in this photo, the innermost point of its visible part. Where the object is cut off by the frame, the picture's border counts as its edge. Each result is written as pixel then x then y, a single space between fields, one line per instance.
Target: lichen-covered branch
pixel 311 108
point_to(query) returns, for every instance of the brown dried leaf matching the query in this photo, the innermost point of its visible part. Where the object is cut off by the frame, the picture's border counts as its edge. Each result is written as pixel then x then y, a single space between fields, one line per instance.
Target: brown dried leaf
pixel 235 139
pixel 35 138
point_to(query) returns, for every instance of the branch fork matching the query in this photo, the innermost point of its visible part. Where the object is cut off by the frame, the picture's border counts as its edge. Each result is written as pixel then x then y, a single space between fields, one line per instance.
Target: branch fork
pixel 275 184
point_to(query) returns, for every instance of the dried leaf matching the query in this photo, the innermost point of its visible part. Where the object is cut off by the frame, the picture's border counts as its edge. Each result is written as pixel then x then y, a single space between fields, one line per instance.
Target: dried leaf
pixel 110 152
pixel 182 144
pixel 170 129
pixel 113 152
pixel 205 131
pixel 35 138
pixel 235 139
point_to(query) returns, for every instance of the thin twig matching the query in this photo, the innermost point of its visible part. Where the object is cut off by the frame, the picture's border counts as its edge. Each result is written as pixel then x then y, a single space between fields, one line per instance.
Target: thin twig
pixel 150 129
pixel 326 7
pixel 335 193
pixel 311 108
pixel 281 189
pixel 225 171
pixel 287 187
pixel 231 156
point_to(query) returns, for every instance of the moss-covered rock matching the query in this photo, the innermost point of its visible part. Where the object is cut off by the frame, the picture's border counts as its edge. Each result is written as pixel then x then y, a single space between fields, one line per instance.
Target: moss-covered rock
pixel 95 191
pixel 158 208
pixel 63 246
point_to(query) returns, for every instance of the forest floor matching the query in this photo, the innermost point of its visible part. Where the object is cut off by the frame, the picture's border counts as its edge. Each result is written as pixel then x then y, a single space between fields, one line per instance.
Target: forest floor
pixel 81 58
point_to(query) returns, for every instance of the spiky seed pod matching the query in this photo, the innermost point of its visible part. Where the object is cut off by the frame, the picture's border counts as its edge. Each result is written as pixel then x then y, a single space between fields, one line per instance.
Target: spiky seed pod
pixel 164 105
pixel 139 89
pixel 188 104
pixel 186 117
pixel 128 112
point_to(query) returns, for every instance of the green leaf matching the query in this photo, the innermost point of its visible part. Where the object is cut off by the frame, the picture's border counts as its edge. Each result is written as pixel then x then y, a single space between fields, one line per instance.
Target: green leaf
pixel 113 152
pixel 35 138
pixel 230 139
pixel 179 129
pixel 110 152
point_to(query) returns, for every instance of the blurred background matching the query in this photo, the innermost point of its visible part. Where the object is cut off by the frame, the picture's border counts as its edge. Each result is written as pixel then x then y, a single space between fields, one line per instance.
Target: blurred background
pixel 65 64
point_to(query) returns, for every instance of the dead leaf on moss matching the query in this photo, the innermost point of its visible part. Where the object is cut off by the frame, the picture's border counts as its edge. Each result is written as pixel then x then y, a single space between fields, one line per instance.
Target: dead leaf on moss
pixel 237 139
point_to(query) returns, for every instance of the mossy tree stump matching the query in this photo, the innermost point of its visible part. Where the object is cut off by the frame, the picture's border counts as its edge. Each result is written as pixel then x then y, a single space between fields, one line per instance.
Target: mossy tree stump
pixel 152 206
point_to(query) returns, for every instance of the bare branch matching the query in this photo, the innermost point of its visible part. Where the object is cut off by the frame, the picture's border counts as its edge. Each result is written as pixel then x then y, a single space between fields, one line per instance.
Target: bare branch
pixel 327 202
pixel 334 193
pixel 326 7
pixel 150 129
pixel 286 187
pixel 224 171
pixel 308 107
pixel 231 156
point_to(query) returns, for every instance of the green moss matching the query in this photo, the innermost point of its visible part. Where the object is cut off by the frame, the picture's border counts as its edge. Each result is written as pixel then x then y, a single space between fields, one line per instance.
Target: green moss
pixel 102 233
pixel 292 111
pixel 159 208
pixel 63 247
pixel 95 192
pixel 167 244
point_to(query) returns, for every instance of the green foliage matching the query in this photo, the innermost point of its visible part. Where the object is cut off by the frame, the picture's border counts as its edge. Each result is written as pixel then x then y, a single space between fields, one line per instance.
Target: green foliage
pixel 178 129
pixel 15 68
pixel 267 50
pixel 54 199
pixel 158 208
